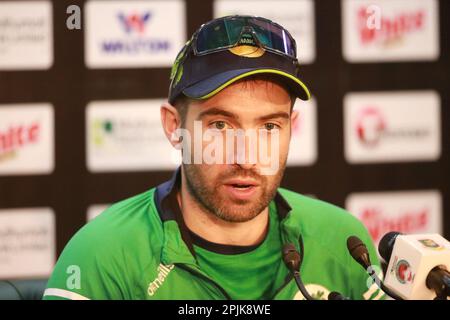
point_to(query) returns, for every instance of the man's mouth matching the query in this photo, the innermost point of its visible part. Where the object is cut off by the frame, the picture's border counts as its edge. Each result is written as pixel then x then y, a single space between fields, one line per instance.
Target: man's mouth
pixel 242 183
pixel 242 186
pixel 242 189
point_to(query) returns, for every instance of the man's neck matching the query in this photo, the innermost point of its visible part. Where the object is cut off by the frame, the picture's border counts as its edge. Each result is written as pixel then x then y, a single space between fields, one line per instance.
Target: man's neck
pixel 214 229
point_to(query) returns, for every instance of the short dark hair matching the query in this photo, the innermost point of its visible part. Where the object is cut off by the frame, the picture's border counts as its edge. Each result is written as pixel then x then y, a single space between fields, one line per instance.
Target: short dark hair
pixel 182 102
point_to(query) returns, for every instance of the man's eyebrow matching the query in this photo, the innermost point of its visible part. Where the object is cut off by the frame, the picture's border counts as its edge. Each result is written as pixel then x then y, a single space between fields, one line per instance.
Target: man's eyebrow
pixel 280 114
pixel 215 112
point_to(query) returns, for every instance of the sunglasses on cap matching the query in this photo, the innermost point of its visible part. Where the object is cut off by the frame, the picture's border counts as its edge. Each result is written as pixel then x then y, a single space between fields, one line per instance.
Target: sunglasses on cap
pixel 231 31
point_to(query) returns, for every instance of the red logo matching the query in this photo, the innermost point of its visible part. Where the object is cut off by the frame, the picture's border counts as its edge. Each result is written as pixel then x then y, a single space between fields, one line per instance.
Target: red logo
pixel 134 22
pixel 370 126
pixel 403 272
pixel 379 223
pixel 392 29
pixel 18 136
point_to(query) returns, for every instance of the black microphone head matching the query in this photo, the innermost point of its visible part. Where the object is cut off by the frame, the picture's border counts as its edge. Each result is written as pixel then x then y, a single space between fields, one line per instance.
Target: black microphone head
pixel 358 251
pixel 291 257
pixel 336 296
pixel 387 244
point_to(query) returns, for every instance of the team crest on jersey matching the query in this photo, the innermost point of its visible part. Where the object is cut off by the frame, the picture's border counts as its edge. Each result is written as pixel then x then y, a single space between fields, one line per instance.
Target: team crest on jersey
pixel 317 291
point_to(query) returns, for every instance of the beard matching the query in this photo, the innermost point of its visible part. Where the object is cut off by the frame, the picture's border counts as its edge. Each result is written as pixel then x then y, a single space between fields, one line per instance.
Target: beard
pixel 206 192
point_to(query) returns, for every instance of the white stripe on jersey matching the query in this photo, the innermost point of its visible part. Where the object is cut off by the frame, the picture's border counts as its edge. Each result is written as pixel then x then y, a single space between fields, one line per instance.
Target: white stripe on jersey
pixel 64 294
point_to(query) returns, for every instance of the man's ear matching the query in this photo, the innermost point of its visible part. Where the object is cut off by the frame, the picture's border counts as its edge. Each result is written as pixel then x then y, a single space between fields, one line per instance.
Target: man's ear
pixel 171 121
pixel 294 118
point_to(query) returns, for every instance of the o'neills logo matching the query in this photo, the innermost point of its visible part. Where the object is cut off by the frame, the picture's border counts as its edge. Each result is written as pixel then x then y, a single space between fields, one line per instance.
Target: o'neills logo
pixel 392 29
pixel 379 224
pixel 163 272
pixel 372 128
pixel 16 137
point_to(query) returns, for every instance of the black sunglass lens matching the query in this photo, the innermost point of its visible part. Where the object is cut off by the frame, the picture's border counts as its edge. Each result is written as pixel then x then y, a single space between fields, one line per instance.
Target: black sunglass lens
pixel 219 34
pixel 274 36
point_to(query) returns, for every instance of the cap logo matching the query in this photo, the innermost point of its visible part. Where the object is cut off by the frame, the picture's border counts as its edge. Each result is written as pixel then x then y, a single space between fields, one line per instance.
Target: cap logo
pixel 247 51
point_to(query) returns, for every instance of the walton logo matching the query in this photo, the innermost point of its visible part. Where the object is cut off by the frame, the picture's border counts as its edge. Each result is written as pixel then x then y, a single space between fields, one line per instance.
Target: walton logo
pixel 162 275
pixel 134 22
pixel 378 223
pixel 137 41
pixel 392 29
pixel 17 137
pixel 370 126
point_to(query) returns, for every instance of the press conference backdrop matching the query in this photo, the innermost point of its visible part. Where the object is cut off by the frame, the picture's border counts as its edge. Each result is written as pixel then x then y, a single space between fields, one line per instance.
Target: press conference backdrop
pixel 79 111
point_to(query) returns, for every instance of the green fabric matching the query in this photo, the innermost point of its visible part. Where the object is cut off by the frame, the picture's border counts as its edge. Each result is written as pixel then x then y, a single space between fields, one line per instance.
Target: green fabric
pixel 129 253
pixel 247 275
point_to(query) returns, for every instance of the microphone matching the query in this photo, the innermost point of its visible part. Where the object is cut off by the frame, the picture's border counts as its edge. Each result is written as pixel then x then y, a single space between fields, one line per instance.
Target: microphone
pixel 417 265
pixel 386 245
pixel 292 259
pixel 360 254
pixel 336 296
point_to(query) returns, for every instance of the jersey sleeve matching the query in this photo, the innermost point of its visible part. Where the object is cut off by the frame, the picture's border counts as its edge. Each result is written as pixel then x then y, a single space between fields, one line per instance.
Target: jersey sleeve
pixel 89 267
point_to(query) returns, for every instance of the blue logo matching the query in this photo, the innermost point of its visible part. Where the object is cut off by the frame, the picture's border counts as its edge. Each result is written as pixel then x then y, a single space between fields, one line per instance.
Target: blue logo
pixel 136 40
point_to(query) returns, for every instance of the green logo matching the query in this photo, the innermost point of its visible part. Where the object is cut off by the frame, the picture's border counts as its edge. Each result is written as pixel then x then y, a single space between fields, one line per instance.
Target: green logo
pixel 177 69
pixel 101 128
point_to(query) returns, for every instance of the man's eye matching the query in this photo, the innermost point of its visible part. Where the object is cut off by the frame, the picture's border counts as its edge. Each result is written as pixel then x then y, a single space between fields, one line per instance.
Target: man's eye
pixel 270 126
pixel 220 125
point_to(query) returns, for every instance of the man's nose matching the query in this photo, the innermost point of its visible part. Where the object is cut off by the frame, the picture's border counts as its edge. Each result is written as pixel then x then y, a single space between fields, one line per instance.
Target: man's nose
pixel 246 166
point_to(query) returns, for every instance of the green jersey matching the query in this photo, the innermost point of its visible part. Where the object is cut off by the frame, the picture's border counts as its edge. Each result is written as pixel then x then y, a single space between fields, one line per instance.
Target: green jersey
pixel 245 272
pixel 140 248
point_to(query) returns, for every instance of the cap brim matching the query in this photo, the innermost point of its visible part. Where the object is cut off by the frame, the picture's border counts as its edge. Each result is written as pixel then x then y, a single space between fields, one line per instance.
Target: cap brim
pixel 209 87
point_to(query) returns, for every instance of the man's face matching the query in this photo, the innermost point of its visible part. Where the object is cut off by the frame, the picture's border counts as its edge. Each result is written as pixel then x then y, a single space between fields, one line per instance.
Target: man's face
pixel 239 192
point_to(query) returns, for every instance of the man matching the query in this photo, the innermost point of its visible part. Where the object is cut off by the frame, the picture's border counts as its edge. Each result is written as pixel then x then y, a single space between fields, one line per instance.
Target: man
pixel 216 230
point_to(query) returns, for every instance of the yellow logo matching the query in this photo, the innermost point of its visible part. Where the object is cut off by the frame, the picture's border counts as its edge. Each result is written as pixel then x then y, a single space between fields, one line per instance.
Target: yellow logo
pixel 247 51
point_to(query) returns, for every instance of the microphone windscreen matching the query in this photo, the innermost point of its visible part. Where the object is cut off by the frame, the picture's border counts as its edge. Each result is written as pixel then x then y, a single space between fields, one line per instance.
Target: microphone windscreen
pixel 358 251
pixel 335 296
pixel 387 244
pixel 291 256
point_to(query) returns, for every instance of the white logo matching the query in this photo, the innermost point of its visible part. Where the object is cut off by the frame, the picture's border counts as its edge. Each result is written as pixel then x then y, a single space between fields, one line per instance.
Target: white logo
pixel 402 211
pixel 125 34
pixel 27 242
pixel 26 139
pixel 392 126
pixel 26 35
pixel 126 135
pixel 390 30
pixel 303 145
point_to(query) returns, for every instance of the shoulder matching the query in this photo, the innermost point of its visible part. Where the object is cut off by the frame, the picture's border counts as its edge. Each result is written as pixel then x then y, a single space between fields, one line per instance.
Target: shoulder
pixel 322 218
pixel 118 232
pixel 110 252
pixel 325 228
pixel 123 221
